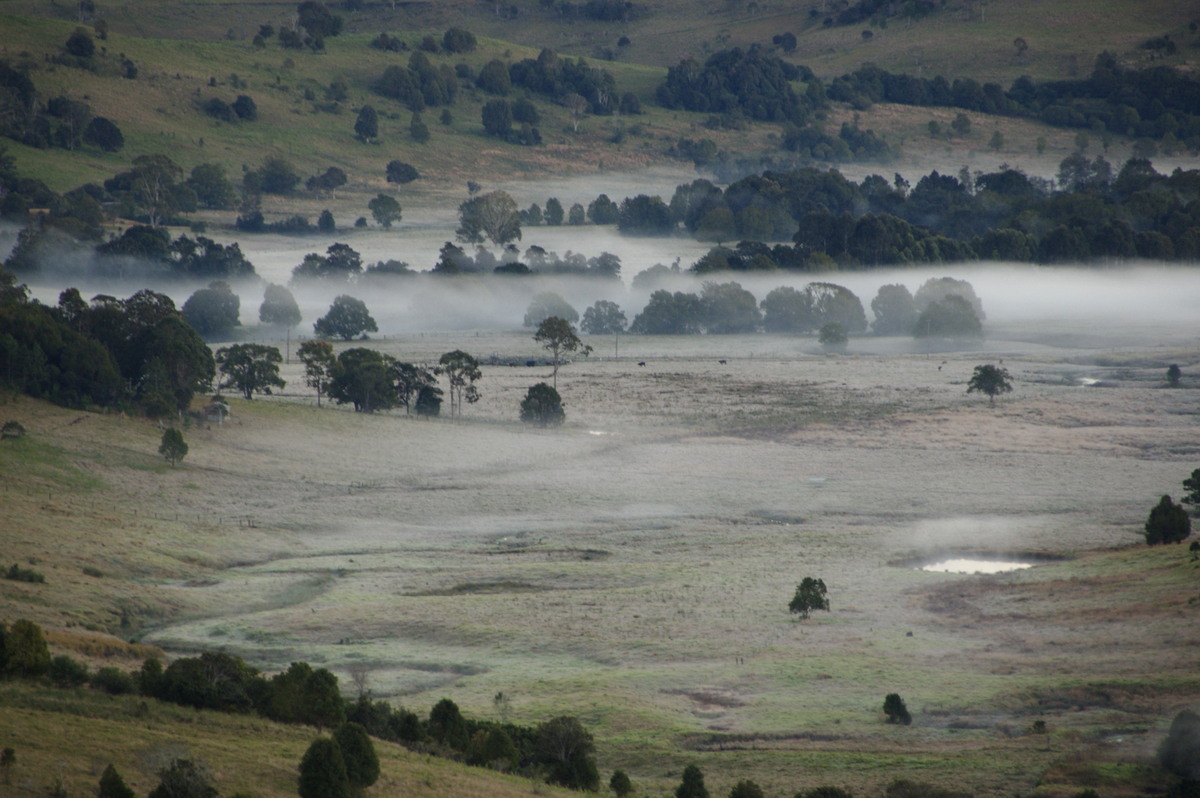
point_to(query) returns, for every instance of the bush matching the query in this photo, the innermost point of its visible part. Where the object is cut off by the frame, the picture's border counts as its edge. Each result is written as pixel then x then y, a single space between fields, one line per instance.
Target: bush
pixel 66 672
pixel 896 711
pixel 19 574
pixel 1168 523
pixel 113 681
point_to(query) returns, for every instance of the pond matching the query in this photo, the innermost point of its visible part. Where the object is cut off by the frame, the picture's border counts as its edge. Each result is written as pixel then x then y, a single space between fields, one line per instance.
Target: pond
pixel 962 565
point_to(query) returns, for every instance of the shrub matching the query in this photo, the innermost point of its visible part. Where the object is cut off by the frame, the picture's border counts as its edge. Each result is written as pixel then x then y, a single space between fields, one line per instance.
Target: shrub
pixel 66 672
pixel 896 711
pixel 1168 523
pixel 19 574
pixel 113 681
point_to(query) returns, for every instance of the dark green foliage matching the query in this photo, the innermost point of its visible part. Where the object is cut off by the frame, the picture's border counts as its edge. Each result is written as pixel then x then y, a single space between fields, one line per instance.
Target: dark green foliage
pixel 692 784
pixel 447 726
pixel 493 78
pixel 832 336
pixel 12 429
pixel 1179 752
pixel 213 311
pixel 219 109
pixel 276 176
pixel 497 118
pixel 643 215
pixel 418 129
pixel 347 318
pixel 492 748
pixel 566 748
pixel 461 370
pixel 951 317
pixel 1192 487
pixel 903 788
pixel 340 263
pixel 18 574
pixel 669 314
pixel 211 187
pixel 358 754
pixel 556 335
pixel 327 182
pixel 825 792
pixel 65 671
pixel 493 216
pixel 554 212
pixel 991 380
pixel 360 377
pixel 80 44
pixel 746 789
pixel 429 401
pixel 557 77
pixel 458 40
pixel 317 20
pixel 620 784
pixel 366 125
pixel 895 710
pixel 323 771
pixel 385 209
pixel 1168 523
pixel 810 595
pixel 245 108
pixel 112 785
pixel 250 368
pixel 25 650
pixel 113 681
pixel 103 133
pixel 172 447
pixel 184 779
pixel 1173 375
pixel 750 81
pixel 603 210
pixel 400 172
pixel 894 309
pixel 212 680
pixel 542 406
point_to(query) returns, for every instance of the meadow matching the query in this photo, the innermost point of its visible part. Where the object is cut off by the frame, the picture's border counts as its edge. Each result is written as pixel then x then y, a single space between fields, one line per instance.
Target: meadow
pixel 634 566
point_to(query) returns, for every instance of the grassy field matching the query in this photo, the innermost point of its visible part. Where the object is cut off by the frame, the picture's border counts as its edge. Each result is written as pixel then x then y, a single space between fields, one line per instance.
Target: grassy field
pixel 633 568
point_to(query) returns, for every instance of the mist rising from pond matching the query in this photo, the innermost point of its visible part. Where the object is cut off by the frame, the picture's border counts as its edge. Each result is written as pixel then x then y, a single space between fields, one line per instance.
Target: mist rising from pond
pixel 967 566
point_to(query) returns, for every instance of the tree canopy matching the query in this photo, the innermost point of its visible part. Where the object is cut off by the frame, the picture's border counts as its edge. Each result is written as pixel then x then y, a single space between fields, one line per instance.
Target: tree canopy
pixel 347 318
pixel 557 336
pixel 991 380
pixel 1168 523
pixel 250 368
pixel 810 595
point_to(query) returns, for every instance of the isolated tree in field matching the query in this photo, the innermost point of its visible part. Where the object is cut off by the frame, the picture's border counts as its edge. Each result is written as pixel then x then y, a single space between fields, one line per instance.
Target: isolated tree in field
pixel 1174 375
pixel 112 785
pixel 567 748
pixel 545 305
pixel 358 754
pixel 250 368
pixel 604 318
pixel 542 406
pixel 318 359
pixel 279 307
pixel 102 132
pixel 1168 523
pixel 991 380
pixel 366 126
pixel 385 209
pixel 493 216
pixel 401 172
pixel 746 789
pixel 347 318
pixel 620 784
pixel 461 370
pixel 896 711
pixel 810 595
pixel 557 336
pixel 172 446
pixel 692 784
pixel 323 771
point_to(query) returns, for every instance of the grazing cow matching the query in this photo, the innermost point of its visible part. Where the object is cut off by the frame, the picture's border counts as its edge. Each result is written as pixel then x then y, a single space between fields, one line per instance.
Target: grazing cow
pixel 722 362
pixel 641 362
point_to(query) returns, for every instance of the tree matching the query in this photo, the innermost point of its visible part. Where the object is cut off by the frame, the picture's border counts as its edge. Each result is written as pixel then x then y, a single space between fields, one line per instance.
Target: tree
pixel 418 129
pixel 317 357
pixel 112 785
pixel 408 380
pixel 746 789
pixel 493 215
pixel 542 406
pixel 80 44
pixel 213 311
pixel 729 308
pixel 366 126
pixel 620 784
pixel 250 368
pixel 569 751
pixel 952 317
pixel 1179 752
pixel 810 595
pixel 340 263
pixel 497 118
pixel 362 377
pixel 692 784
pixel 603 210
pixel 576 106
pixel 323 771
pixel 832 336
pixel 1173 375
pixel 25 651
pixel 401 172
pixel 103 133
pixel 1168 523
pixel 1192 486
pixel 554 212
pixel 245 108
pixel 669 314
pixel 212 189
pixel 358 753
pixel 991 380
pixel 172 446
pixel 603 318
pixel 557 336
pixel 327 182
pixel 961 124
pixel 447 725
pixel 184 778
pixel 938 288
pixel 277 176
pixel 462 371
pixel 545 305
pixel 347 318
pixel 894 309
pixel 385 209
pixel 493 78
pixel 152 183
pixel 896 711
pixel 279 307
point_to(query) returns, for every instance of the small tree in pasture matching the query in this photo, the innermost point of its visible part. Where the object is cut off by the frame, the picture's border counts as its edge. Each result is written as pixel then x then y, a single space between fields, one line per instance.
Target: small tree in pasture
pixel 896 711
pixel 810 595
pixel 172 446
pixel 991 380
